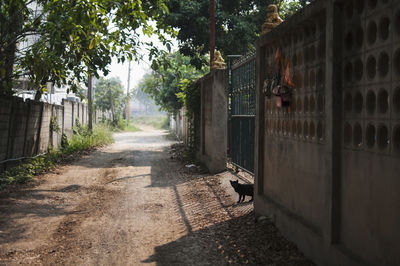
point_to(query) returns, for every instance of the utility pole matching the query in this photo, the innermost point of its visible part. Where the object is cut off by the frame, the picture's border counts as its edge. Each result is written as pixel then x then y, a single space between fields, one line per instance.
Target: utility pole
pixel 111 101
pixel 128 111
pixel 212 31
pixel 90 102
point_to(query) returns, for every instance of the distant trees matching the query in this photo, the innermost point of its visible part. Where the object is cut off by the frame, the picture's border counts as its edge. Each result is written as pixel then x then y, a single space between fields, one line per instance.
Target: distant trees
pixel 110 96
pixel 168 79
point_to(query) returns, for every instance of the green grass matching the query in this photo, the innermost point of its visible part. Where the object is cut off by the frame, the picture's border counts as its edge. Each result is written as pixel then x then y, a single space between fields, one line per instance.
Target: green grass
pixel 132 128
pixel 158 122
pixel 80 141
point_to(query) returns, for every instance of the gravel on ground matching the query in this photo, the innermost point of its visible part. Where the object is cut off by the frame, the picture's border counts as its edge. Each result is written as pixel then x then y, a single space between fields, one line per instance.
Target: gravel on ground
pixel 132 204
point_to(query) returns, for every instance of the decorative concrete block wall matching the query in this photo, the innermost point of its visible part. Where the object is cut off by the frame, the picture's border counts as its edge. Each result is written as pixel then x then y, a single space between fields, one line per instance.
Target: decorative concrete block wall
pixel 327 167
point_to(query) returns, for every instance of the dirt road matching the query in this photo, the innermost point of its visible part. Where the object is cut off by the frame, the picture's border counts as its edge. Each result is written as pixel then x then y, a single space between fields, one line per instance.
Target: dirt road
pixel 131 204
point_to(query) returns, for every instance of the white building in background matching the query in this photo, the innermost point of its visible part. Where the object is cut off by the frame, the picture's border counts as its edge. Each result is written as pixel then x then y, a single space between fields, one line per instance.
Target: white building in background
pixel 53 95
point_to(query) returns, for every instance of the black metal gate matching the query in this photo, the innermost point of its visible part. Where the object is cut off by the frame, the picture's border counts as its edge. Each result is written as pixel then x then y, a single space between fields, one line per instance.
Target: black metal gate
pixel 242 111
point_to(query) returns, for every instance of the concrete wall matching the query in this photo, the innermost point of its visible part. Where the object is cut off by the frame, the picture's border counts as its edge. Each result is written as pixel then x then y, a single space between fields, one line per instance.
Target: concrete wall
pixel 213 117
pixel 179 124
pixel 25 127
pixel 327 168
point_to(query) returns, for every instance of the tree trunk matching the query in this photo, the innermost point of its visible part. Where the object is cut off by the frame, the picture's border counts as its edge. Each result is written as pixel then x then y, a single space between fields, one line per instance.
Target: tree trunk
pixel 11 25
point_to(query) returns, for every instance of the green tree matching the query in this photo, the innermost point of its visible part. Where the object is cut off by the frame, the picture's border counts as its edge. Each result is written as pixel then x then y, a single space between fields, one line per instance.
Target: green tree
pixel 237 24
pixel 72 38
pixel 109 96
pixel 145 99
pixel 168 79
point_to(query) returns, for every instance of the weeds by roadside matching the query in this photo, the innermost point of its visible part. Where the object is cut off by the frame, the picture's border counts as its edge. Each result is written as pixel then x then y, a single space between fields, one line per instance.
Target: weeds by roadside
pixel 132 128
pixel 81 140
pixel 158 122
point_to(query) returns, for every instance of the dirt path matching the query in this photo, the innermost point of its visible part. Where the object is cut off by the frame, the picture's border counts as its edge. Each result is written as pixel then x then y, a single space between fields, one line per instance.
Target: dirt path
pixel 131 204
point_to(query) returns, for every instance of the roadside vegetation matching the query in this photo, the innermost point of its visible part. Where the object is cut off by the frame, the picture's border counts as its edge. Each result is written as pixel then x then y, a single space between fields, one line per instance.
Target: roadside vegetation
pixel 132 128
pixel 158 122
pixel 82 140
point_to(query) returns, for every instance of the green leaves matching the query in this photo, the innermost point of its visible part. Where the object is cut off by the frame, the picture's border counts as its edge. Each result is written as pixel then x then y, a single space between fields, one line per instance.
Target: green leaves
pixel 70 38
pixel 168 80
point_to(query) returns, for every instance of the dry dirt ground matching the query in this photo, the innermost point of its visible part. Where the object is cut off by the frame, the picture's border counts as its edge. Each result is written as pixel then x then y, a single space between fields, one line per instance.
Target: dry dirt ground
pixel 131 204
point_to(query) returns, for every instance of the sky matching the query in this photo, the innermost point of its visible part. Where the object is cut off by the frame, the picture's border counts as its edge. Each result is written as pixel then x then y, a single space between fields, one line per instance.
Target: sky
pixel 138 69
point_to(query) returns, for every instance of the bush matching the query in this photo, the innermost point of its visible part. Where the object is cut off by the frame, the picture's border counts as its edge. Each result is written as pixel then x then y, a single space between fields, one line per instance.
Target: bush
pixel 83 140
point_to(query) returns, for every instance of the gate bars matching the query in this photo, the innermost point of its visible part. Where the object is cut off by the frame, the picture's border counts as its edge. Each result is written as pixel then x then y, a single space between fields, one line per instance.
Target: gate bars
pixel 242 109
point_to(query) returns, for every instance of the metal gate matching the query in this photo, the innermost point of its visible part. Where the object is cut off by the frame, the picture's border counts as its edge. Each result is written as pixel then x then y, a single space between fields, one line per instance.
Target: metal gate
pixel 242 111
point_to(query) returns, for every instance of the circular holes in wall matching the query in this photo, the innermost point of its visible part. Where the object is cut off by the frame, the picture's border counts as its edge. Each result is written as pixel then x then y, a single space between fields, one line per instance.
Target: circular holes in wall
pixel 348 41
pixel 312 78
pixel 299 128
pixel 372 30
pixel 383 101
pixel 311 53
pixel 347 134
pixel 396 139
pixel 371 67
pixel 348 102
pixel 293 106
pixel 312 130
pixel 371 102
pixel 305 130
pixel 320 131
pixel 306 54
pixel 312 104
pixel 357 135
pixel 305 80
pixel 348 71
pixel 396 61
pixel 320 78
pixel 383 64
pixel 305 104
pixel 359 34
pixel 396 100
pixel 299 58
pixel 297 79
pixel 294 127
pixel 383 137
pixel 384 28
pixel 358 102
pixel 299 105
pixel 284 127
pixel 372 3
pixel 320 103
pixel 370 136
pixel 358 69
